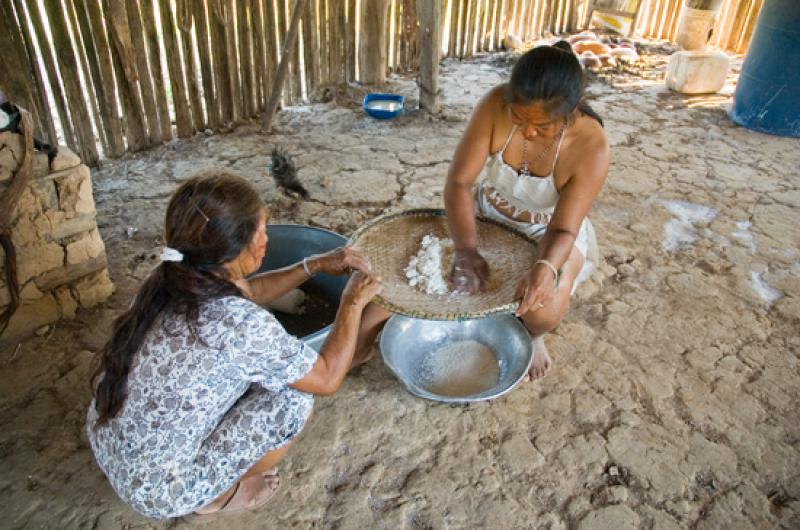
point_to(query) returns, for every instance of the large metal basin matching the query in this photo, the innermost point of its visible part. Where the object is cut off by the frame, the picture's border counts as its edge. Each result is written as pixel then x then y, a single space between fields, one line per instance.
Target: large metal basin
pixel 407 342
pixel 289 244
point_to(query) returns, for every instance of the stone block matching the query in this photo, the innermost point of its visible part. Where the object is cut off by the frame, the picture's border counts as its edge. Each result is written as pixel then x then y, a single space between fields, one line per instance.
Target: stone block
pixel 67 302
pixel 45 191
pixel 30 292
pixel 697 72
pixel 93 289
pixel 10 154
pixel 29 317
pixel 87 247
pixel 75 191
pixel 65 159
pixel 70 273
pixel 36 259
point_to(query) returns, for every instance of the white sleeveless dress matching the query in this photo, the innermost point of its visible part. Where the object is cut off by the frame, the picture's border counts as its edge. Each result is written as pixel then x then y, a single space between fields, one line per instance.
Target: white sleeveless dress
pixel 535 195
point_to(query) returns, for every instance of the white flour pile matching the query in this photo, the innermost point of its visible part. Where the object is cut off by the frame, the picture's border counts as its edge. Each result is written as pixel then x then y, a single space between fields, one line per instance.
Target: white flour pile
pixel 461 369
pixel 428 269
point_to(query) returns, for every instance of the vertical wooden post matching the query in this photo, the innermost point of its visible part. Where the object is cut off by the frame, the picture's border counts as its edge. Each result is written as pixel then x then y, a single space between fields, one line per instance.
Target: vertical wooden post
pixel 218 20
pixel 283 67
pixel 183 12
pixel 109 109
pixel 183 113
pixel 204 51
pixel 311 48
pixel 52 76
pixel 244 31
pixel 429 13
pixel 154 54
pixel 259 55
pixel 82 56
pixel 46 124
pixel 373 45
pixel 72 85
pixel 145 82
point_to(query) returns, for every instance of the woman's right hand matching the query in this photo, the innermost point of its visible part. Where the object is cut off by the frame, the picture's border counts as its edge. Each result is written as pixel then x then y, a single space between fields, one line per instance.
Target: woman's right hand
pixel 470 271
pixel 360 289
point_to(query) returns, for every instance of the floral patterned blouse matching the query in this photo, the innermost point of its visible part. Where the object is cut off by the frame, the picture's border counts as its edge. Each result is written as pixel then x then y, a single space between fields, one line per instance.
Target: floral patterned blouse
pixel 205 402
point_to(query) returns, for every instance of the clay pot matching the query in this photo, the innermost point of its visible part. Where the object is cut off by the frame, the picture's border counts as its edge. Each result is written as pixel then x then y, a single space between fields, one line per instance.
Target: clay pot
pixel 590 61
pixel 626 55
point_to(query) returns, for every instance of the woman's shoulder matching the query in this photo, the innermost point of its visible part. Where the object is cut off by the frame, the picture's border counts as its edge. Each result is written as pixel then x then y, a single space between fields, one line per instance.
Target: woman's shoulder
pixel 232 310
pixel 589 135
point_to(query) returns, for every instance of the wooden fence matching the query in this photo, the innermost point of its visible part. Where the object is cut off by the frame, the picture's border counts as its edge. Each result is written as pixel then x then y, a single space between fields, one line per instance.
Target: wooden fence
pixel 111 76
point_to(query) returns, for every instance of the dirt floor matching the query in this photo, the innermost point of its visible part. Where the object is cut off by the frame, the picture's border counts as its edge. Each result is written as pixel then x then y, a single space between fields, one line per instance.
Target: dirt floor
pixel 673 402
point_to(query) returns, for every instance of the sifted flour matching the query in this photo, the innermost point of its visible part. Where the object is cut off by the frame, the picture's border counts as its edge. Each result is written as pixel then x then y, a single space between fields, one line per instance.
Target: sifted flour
pixel 428 269
pixel 461 369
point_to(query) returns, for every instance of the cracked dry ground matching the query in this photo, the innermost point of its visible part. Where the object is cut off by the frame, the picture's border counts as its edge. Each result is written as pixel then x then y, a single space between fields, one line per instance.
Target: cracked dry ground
pixel 673 402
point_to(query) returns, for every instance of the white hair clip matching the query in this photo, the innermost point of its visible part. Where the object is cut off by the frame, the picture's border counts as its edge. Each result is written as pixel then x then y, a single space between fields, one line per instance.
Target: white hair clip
pixel 170 254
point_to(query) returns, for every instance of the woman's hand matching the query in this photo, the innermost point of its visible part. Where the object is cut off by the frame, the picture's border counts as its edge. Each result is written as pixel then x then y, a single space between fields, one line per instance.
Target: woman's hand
pixel 537 290
pixel 338 261
pixel 470 271
pixel 360 289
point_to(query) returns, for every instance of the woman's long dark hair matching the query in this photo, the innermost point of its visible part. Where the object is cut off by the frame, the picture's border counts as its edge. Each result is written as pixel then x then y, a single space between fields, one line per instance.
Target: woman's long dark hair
pixel 553 76
pixel 210 219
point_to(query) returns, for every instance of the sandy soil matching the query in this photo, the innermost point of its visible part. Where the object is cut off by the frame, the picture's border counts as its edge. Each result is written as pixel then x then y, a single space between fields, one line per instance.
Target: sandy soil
pixel 673 402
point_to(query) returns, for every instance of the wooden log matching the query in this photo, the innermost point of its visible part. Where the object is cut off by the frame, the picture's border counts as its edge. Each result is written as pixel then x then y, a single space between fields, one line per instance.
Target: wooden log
pixel 259 55
pixel 452 34
pixel 234 74
pixel 89 80
pixel 747 32
pixel 109 112
pixel 218 14
pixel 738 22
pixel 462 28
pixel 45 126
pixel 373 46
pixel 243 33
pixel 324 42
pixel 204 51
pixel 350 40
pixel 73 90
pixel 183 112
pixel 52 76
pixel 486 9
pixel 530 30
pixel 145 79
pixel 334 42
pixel 183 23
pixel 123 57
pixel 311 48
pixel 429 13
pixel 17 83
pixel 283 67
pixel 296 67
pixel 156 73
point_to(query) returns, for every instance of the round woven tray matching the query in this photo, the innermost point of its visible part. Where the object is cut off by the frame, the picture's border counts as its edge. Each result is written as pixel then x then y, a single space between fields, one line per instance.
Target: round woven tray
pixel 391 240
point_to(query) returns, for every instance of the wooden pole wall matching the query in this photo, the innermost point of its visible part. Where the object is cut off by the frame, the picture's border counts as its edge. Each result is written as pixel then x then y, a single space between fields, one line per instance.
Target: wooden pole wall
pixel 111 76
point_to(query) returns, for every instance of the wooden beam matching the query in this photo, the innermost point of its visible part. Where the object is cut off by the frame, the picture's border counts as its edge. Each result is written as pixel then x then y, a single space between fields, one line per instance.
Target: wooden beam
pixel 429 13
pixel 283 67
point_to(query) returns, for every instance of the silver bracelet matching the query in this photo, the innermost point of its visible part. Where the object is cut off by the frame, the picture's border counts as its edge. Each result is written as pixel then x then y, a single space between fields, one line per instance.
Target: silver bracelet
pixel 305 268
pixel 549 266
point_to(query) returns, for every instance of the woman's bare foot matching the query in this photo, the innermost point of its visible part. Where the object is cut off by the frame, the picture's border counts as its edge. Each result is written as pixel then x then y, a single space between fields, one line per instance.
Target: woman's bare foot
pixel 541 361
pixel 248 493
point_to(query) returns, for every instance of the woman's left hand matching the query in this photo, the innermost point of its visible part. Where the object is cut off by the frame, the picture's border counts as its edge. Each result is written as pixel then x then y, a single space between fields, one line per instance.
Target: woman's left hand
pixel 339 261
pixel 537 290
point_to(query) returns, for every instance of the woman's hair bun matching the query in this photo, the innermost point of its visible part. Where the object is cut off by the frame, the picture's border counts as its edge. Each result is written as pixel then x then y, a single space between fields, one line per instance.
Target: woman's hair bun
pixel 563 45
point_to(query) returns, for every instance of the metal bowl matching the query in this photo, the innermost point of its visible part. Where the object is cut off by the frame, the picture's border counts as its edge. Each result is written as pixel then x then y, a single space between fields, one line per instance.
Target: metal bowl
pixel 407 342
pixel 289 244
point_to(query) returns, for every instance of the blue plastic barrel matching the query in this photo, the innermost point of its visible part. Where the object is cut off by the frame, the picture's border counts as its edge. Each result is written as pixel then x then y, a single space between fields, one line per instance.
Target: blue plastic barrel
pixel 767 95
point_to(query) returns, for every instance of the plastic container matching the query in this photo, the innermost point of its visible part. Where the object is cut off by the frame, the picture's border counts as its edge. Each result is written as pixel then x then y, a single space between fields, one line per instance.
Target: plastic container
pixel 767 96
pixel 697 72
pixel 695 28
pixel 383 106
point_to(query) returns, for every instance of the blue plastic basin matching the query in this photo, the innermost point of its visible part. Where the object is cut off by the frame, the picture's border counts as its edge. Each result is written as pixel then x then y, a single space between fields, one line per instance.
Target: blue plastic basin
pixel 383 106
pixel 289 244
